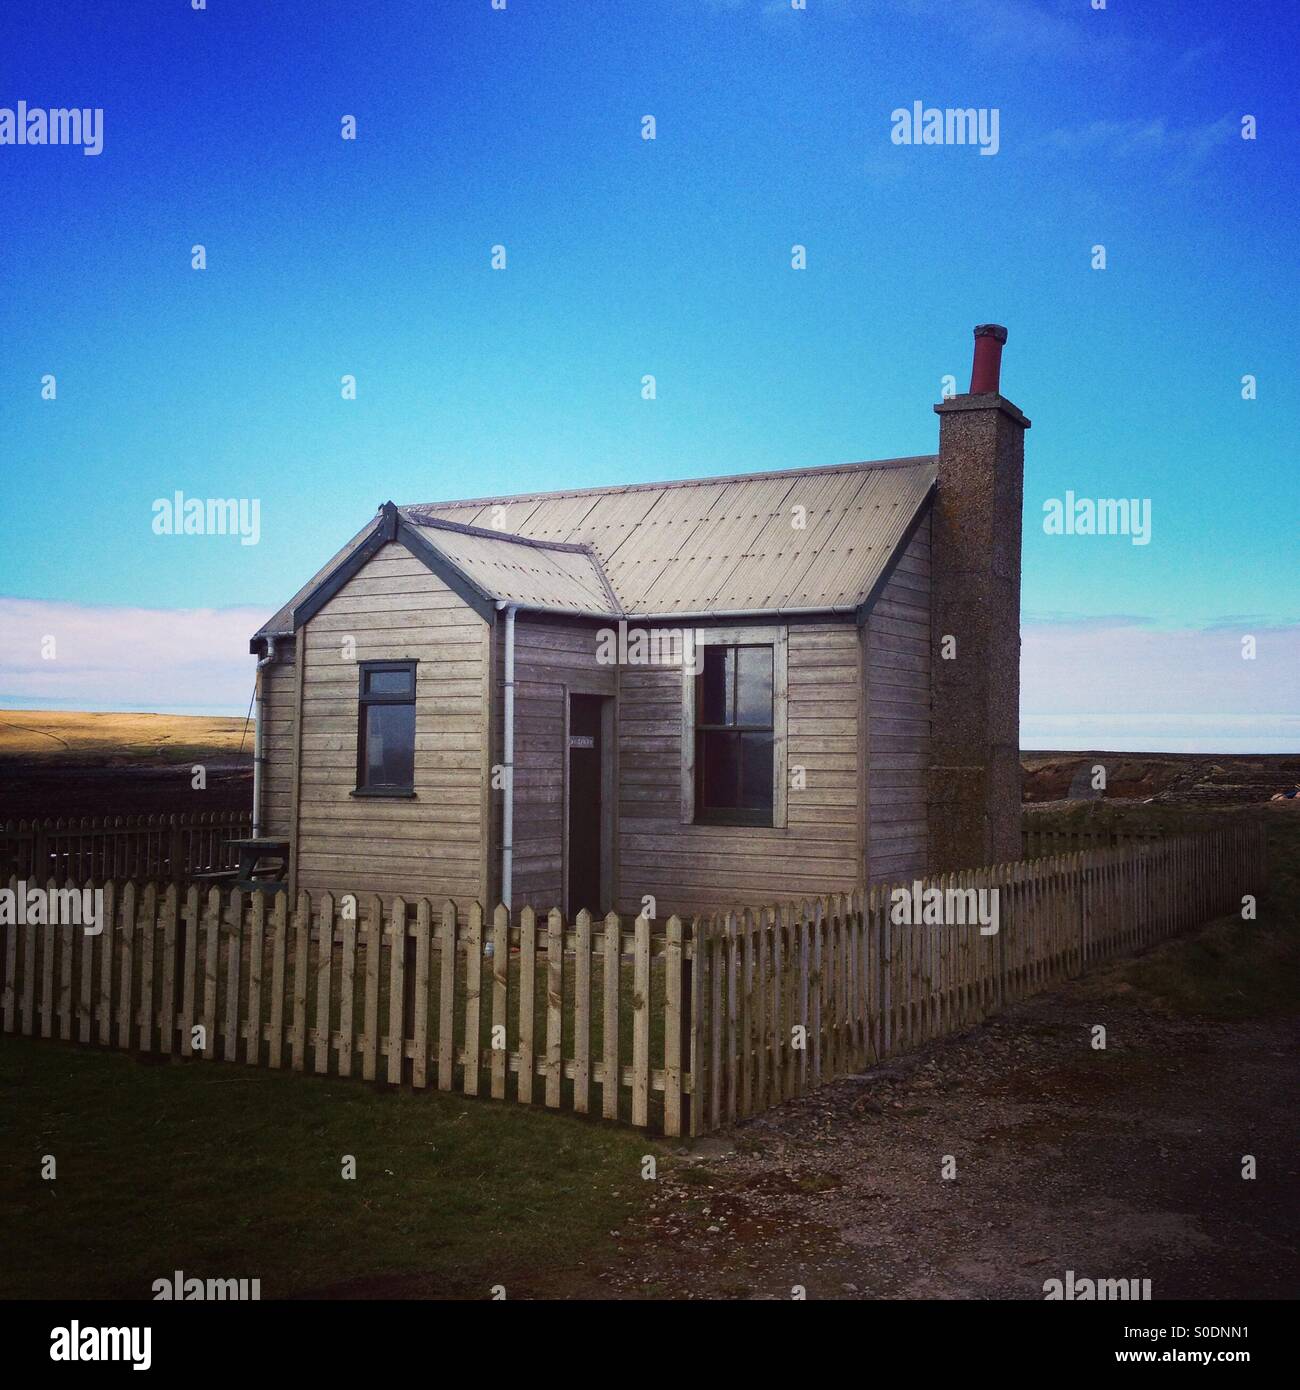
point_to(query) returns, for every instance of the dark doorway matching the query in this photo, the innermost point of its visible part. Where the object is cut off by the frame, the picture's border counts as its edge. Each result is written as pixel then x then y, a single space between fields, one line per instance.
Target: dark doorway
pixel 585 814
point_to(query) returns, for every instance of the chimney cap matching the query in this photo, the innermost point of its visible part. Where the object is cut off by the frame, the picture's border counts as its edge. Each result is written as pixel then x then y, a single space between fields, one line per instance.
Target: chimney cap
pixel 991 330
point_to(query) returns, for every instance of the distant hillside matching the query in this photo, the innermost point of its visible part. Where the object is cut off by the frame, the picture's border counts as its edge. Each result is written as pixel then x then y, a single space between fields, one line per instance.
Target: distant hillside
pixel 1181 778
pixel 68 763
pixel 90 739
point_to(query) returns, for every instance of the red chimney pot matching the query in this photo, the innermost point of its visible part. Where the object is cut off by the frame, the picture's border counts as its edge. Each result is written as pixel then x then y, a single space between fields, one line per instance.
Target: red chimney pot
pixel 986 370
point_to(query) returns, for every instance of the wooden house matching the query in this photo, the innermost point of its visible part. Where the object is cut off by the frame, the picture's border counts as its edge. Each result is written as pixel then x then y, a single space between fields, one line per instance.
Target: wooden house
pixel 732 690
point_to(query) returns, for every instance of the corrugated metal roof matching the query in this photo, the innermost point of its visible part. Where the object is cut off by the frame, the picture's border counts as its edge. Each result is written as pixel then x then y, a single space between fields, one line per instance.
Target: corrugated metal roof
pixel 532 575
pixel 657 550
pixel 726 545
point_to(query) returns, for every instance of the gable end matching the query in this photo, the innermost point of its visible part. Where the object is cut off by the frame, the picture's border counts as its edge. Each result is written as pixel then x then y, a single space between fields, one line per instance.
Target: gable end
pixel 393 527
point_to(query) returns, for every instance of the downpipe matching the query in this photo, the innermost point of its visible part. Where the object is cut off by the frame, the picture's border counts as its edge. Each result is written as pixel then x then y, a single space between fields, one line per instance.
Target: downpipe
pixel 258 758
pixel 508 761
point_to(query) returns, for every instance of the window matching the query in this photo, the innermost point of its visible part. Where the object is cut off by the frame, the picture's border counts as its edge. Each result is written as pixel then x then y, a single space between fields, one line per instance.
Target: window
pixel 734 735
pixel 386 729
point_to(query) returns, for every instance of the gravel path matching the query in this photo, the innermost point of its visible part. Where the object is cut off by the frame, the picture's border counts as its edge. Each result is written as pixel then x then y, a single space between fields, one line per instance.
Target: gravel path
pixel 1122 1163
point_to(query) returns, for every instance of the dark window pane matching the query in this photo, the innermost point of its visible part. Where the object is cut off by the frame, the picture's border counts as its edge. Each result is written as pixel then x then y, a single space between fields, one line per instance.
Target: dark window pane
pixel 719 771
pixel 718 683
pixel 390 745
pixel 754 685
pixel 756 772
pixel 390 682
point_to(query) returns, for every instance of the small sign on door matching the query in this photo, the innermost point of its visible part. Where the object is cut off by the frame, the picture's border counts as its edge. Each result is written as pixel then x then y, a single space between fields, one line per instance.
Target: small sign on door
pixel 582 741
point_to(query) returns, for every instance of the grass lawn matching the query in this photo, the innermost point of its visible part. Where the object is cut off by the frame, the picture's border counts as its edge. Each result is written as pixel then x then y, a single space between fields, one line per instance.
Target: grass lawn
pixel 1239 969
pixel 231 1172
pixel 1235 969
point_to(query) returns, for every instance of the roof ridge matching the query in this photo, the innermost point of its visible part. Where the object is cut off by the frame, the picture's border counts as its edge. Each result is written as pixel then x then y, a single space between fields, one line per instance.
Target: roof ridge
pixel 817 470
pixel 438 523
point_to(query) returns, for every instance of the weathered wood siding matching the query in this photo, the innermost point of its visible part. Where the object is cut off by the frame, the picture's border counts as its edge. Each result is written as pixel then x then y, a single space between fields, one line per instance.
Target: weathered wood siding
pixel 858 725
pixel 553 657
pixel 693 868
pixel 279 683
pixel 434 844
pixel 897 661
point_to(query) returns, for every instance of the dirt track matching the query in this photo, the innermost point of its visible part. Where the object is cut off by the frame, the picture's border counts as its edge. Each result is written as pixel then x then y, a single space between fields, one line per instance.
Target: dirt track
pixel 1117 1164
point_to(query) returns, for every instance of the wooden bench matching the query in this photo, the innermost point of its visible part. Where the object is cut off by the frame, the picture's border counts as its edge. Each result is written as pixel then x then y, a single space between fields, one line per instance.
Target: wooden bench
pixel 252 874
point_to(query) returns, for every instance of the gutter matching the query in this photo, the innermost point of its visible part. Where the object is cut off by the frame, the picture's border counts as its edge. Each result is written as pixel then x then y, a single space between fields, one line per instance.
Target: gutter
pixel 702 615
pixel 258 758
pixel 664 619
pixel 508 758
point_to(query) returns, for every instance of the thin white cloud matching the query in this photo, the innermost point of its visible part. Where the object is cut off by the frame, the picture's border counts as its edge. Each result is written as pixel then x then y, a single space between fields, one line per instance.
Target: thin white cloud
pixel 1184 150
pixel 1117 683
pixel 1110 682
pixel 1195 56
pixel 111 657
pixel 1019 28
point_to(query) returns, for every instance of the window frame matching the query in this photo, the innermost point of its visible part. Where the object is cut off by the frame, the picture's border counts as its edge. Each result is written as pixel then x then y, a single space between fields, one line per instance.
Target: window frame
pixel 365 699
pixel 758 636
pixel 734 731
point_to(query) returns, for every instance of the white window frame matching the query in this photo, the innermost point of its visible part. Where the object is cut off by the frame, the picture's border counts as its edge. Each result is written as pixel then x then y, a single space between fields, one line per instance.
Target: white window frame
pixel 778 639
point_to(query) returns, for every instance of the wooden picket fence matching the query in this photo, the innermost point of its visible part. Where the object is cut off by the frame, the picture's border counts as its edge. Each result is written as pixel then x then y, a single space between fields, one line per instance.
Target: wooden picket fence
pixel 682 1029
pixel 122 847
pixel 1039 838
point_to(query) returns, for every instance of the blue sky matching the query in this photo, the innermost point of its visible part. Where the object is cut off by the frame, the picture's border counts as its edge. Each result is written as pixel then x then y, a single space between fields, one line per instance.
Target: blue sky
pixel 522 127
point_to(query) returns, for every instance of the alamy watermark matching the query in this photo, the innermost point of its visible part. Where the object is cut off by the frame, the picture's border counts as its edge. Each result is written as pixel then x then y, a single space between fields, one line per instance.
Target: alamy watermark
pixel 77 1343
pixel 179 515
pixel 1083 1290
pixel 62 125
pixel 1098 516
pixel 179 1289
pixel 56 907
pixel 650 646
pixel 949 125
pixel 945 907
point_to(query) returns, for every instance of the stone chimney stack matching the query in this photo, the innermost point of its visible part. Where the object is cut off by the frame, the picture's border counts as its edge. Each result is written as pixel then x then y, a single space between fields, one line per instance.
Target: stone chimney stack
pixel 974 783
